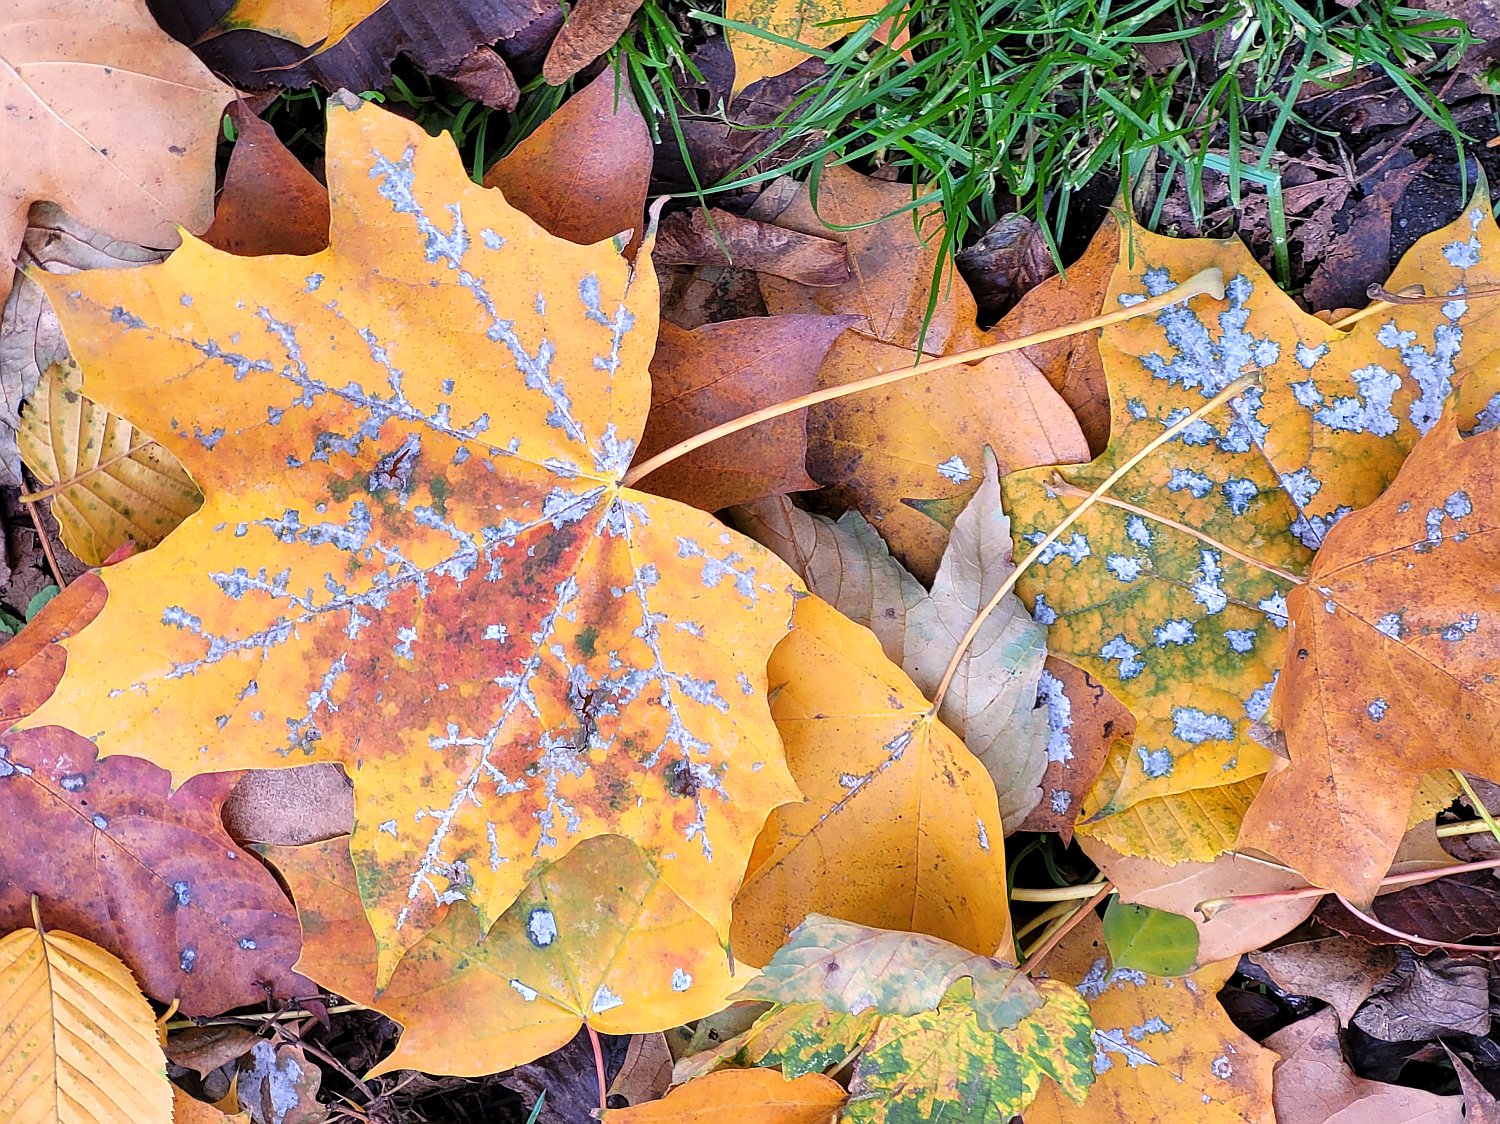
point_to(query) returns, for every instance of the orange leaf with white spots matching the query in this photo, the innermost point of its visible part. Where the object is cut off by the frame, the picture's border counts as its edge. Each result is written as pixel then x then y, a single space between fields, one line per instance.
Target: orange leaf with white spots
pixel 415 556
pixel 1390 668
pixel 597 936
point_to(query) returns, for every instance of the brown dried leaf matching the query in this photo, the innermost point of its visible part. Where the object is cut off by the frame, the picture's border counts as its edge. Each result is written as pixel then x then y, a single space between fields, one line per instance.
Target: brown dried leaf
pixel 1312 1084
pixel 270 203
pixel 583 174
pixel 591 28
pixel 290 807
pixel 1340 971
pixel 717 373
pixel 715 237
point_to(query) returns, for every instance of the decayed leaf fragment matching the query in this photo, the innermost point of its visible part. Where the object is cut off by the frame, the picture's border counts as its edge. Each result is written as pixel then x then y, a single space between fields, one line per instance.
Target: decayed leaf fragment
pixel 1188 586
pixel 597 936
pixel 991 703
pixel 415 557
pixel 762 1095
pixel 107 116
pixel 109 483
pixel 1163 1049
pixel 77 1038
pixel 1391 655
pixel 922 438
pixel 899 828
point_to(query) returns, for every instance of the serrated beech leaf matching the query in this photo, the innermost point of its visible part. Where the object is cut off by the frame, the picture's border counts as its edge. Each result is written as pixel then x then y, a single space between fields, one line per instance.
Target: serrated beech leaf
pixel 77 1038
pixel 415 557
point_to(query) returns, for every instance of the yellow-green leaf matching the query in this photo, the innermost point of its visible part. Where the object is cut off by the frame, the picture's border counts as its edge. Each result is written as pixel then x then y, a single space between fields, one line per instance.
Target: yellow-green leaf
pixel 109 483
pixel 1177 601
pixel 78 1040
pixel 597 936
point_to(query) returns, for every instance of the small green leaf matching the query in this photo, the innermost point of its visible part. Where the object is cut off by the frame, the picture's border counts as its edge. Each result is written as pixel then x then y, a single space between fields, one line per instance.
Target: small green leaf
pixel 37 603
pixel 1150 940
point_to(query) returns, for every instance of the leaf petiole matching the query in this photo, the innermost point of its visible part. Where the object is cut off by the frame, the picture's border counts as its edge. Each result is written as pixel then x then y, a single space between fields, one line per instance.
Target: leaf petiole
pixel 1210 281
pixel 1232 390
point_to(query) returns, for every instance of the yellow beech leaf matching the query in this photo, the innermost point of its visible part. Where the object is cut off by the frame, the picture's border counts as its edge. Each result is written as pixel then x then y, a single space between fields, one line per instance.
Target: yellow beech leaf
pixel 761 1095
pixel 415 557
pixel 921 438
pixel 900 828
pixel 1172 592
pixel 110 484
pixel 78 1041
pixel 813 23
pixel 308 23
pixel 596 936
pixel 1164 1049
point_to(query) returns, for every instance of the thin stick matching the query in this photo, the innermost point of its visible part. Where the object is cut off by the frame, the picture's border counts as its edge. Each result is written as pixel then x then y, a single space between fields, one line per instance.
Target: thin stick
pixel 598 1066
pixel 1052 939
pixel 1484 813
pixel 41 533
pixel 1055 893
pixel 266 1016
pixel 1211 906
pixel 1063 488
pixel 1375 923
pixel 1072 517
pixel 1209 281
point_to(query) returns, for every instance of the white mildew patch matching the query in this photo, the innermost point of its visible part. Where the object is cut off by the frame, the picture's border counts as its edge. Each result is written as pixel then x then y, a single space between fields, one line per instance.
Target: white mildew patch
pixel 1051 694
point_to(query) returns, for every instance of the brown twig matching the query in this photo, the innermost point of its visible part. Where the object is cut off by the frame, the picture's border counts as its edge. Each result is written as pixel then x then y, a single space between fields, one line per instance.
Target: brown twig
pixel 1209 907
pixel 41 533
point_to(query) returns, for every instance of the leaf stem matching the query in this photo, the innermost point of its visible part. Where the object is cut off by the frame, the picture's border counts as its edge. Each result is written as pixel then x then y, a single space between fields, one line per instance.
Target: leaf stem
pixel 1064 488
pixel 1055 893
pixel 598 1066
pixel 1212 906
pixel 1062 929
pixel 1484 813
pixel 1072 517
pixel 1376 923
pixel 1209 281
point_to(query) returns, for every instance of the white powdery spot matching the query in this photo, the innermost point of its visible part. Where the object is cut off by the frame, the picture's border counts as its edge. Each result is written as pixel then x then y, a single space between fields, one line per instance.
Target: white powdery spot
pixel 1370 410
pixel 1206 588
pixel 955 470
pixel 1178 631
pixel 1221 1068
pixel 1118 648
pixel 1191 481
pixel 984 838
pixel 1076 547
pixel 1240 639
pixel 1156 763
pixel 1238 492
pixel 1462 255
pixel 681 981
pixel 1274 607
pixel 1389 625
pixel 1194 726
pixel 605 1000
pixel 1307 357
pixel 1061 801
pixel 1124 568
pixel 527 993
pixel 1259 701
pixel 541 927
pixel 1051 694
pixel 1137 530
pixel 1466 625
pixel 1042 612
pixel 1376 710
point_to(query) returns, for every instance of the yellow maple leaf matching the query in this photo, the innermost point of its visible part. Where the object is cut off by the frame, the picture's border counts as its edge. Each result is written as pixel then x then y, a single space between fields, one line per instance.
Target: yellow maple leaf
pixel 415 556
pixel 1165 1048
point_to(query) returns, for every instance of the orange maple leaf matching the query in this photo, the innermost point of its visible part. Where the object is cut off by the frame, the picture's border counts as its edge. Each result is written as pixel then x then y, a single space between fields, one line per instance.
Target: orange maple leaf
pixel 415 556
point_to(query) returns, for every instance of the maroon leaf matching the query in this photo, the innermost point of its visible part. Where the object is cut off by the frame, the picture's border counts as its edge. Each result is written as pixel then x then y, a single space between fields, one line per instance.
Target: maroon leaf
pixel 151 875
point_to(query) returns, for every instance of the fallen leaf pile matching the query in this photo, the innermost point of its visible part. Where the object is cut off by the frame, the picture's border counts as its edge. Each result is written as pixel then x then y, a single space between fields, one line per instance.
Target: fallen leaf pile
pixel 401 720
